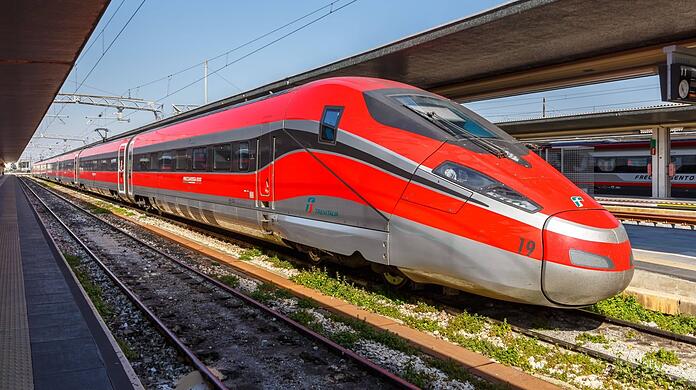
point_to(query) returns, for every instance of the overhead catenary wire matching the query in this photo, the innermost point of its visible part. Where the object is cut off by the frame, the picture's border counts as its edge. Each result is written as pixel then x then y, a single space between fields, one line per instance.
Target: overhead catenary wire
pixel 571 109
pixel 241 46
pixel 566 97
pixel 311 22
pixel 331 8
pixel 525 101
pixel 101 33
pixel 111 44
pixel 101 57
pixel 331 11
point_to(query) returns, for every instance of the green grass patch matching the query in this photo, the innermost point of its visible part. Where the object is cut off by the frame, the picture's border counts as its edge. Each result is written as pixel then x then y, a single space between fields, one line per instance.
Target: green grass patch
pixel 367 332
pixel 127 350
pixel 584 337
pixel 250 254
pixel 305 303
pixel 229 280
pixel 419 378
pixel 626 307
pixel 469 323
pixel 424 324
pixel 98 210
pixel 661 356
pixel 341 288
pixel 645 376
pixel 93 291
pixel 280 263
pixel 266 293
pixel 501 329
pixel 456 372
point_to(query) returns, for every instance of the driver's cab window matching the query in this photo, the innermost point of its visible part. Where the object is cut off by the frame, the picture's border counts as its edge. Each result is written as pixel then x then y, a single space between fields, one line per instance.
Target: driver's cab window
pixel 329 124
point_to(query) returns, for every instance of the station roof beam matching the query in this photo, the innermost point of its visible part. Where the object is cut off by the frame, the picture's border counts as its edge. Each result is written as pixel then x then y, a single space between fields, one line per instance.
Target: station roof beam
pixel 40 45
pixel 521 47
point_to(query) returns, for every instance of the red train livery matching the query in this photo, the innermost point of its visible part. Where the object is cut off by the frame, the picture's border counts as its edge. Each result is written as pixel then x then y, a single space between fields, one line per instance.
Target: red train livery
pixel 372 172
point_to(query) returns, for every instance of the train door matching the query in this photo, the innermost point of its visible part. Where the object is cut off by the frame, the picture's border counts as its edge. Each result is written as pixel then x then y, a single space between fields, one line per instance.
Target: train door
pixel 265 175
pixel 121 169
pixel 76 170
pixel 129 170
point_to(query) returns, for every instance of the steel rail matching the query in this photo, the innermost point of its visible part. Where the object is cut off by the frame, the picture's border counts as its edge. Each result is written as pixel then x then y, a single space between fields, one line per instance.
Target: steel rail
pixel 382 372
pixel 528 332
pixel 164 330
pixel 654 217
pixel 573 347
pixel 640 327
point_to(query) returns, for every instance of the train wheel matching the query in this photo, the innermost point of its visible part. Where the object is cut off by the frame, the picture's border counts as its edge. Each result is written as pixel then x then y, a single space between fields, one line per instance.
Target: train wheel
pixel 315 256
pixel 395 279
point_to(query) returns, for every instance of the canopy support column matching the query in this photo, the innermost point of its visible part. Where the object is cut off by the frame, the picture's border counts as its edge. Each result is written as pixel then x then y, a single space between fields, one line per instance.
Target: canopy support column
pixel 660 148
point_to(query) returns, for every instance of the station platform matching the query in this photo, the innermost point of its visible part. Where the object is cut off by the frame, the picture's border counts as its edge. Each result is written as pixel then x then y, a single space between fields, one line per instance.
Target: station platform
pixel 50 335
pixel 665 276
pixel 667 251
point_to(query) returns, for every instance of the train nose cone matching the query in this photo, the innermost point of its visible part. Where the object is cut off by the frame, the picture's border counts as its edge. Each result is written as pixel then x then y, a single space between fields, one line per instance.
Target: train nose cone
pixel 587 257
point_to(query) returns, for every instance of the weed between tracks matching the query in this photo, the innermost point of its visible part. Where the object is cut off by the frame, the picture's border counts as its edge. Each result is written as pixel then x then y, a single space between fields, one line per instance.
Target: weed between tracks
pixel 476 333
pixel 583 338
pixel 95 294
pixel 626 307
pixel 421 370
pixel 496 340
pixel 93 291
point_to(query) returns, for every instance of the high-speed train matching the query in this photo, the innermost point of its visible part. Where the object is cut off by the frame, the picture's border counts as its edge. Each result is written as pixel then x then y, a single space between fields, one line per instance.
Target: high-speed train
pixel 366 171
pixel 624 168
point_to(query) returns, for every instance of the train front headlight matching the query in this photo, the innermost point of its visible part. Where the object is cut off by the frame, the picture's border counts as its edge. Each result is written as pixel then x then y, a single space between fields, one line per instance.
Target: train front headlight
pixel 485 185
pixel 591 260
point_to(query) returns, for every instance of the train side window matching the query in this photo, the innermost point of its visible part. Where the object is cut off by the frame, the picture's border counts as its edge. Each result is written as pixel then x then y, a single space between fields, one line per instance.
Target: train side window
pixel 222 157
pixel 199 157
pixel 113 165
pixel 329 124
pixel 684 164
pixel 143 162
pixel 243 156
pixel 182 160
pixel 165 161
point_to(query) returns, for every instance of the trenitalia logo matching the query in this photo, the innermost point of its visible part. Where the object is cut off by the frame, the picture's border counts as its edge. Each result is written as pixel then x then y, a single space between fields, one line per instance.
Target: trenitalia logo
pixel 310 209
pixel 310 205
pixel 578 200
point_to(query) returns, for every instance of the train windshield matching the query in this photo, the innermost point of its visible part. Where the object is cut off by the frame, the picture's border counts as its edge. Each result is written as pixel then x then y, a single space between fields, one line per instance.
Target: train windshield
pixel 450 116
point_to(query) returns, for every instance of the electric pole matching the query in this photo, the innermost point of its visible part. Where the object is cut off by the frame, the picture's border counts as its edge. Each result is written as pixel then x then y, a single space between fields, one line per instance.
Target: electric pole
pixel 543 107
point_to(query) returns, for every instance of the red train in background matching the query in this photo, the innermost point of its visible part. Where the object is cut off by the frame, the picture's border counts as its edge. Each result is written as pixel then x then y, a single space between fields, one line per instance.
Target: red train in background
pixel 624 168
pixel 372 172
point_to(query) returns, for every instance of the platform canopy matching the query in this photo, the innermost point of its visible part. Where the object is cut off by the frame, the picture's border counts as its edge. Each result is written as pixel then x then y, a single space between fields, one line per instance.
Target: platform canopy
pixel 40 44
pixel 610 122
pixel 519 47
pixel 522 46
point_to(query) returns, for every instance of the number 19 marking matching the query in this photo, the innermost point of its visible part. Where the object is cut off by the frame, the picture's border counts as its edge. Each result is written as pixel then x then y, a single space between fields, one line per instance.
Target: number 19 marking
pixel 526 245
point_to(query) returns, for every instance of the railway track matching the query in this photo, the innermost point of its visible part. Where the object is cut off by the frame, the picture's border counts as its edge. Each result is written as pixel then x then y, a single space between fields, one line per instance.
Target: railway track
pixel 562 327
pixel 209 321
pixel 669 212
pixel 517 316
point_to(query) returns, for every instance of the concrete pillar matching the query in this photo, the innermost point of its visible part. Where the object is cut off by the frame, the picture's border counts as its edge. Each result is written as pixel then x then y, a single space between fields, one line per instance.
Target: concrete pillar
pixel 660 146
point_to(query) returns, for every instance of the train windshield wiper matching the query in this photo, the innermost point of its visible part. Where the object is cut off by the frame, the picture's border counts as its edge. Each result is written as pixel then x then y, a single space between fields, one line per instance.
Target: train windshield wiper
pixel 461 132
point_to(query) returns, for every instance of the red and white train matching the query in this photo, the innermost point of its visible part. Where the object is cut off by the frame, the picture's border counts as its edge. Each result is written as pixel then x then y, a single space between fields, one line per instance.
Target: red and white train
pixel 369 171
pixel 624 168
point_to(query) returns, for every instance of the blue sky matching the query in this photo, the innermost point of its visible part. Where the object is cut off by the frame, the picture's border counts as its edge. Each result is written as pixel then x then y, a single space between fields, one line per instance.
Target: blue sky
pixel 167 36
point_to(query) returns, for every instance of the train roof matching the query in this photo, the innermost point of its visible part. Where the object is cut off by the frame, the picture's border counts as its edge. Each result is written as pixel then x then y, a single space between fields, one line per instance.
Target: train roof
pixel 362 84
